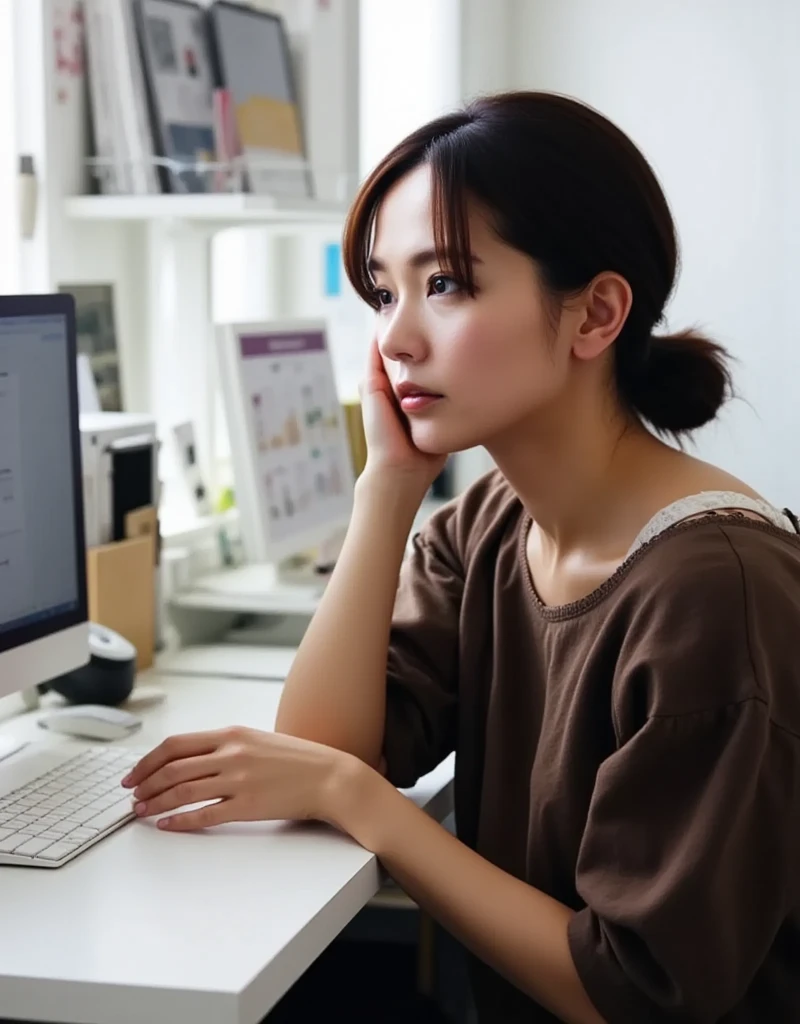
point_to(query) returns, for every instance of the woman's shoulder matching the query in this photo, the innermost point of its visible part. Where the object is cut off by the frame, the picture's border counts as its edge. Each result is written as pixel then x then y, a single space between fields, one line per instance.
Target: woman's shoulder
pixel 714 551
pixel 710 611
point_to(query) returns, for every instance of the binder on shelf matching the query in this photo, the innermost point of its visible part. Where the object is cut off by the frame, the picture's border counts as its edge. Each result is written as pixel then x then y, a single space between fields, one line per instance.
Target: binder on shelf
pixel 123 137
pixel 133 98
pixel 176 59
pixel 102 95
pixel 253 64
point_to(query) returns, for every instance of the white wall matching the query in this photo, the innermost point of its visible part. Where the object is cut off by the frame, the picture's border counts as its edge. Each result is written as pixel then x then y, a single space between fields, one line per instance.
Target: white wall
pixel 710 89
pixel 410 66
pixel 9 260
pixel 486 46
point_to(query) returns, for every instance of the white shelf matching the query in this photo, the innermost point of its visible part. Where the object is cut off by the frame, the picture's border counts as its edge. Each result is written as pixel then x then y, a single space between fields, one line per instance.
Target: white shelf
pixel 205 208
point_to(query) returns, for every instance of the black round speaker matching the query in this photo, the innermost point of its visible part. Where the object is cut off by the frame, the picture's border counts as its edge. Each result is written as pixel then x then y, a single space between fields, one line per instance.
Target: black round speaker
pixel 108 676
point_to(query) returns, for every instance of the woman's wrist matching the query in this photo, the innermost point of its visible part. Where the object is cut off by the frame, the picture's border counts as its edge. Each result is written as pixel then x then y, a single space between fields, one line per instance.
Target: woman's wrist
pixel 390 492
pixel 380 524
pixel 351 795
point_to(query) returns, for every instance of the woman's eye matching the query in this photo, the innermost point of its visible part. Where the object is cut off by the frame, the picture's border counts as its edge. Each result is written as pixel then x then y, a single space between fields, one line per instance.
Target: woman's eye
pixel 443 285
pixel 383 296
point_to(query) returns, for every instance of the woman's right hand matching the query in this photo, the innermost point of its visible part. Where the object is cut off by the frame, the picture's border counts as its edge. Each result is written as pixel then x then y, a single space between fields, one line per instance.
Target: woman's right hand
pixel 390 449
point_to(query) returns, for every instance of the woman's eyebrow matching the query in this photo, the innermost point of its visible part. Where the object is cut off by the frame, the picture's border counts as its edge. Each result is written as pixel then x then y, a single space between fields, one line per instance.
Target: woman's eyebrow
pixel 420 259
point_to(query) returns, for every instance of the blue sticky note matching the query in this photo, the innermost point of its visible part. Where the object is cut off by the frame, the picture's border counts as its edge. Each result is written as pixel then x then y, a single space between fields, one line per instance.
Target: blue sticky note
pixel 333 270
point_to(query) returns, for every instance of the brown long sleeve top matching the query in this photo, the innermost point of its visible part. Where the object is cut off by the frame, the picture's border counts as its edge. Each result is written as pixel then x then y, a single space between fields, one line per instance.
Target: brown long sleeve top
pixel 635 755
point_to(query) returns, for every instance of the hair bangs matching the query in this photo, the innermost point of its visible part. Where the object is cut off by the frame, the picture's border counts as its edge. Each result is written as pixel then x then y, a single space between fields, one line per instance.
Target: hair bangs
pixel 358 234
pixel 450 211
pixel 433 144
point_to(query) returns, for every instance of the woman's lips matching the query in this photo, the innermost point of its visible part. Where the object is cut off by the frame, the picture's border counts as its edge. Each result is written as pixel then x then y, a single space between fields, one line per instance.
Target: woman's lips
pixel 418 400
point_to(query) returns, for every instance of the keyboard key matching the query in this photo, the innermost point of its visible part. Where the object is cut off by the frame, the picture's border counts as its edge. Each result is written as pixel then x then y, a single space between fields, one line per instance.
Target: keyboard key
pixel 57 828
pixel 10 843
pixel 17 823
pixel 32 847
pixel 82 815
pixel 58 851
pixel 117 812
pixel 33 829
pixel 82 834
pixel 70 823
pixel 50 802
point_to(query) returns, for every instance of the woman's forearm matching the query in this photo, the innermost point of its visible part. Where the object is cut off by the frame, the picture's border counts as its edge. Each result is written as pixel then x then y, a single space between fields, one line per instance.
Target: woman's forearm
pixel 516 929
pixel 336 691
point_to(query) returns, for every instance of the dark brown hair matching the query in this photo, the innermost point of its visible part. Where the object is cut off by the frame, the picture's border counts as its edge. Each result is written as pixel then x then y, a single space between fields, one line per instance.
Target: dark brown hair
pixel 568 188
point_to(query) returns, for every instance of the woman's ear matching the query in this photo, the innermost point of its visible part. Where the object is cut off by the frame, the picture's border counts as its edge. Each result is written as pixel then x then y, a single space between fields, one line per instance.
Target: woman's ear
pixel 606 303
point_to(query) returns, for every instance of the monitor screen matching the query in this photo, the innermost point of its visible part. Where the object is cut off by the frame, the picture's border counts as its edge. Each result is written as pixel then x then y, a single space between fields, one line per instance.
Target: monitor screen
pixel 42 570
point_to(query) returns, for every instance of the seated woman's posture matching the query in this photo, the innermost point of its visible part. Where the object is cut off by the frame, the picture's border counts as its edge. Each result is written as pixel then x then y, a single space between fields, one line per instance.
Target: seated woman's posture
pixel 604 629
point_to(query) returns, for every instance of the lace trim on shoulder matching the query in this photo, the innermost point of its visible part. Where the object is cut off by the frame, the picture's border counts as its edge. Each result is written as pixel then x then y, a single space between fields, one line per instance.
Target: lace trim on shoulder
pixel 708 501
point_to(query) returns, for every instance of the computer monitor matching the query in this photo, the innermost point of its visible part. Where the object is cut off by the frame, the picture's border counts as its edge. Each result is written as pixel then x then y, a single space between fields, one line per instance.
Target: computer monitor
pixel 43 602
pixel 293 473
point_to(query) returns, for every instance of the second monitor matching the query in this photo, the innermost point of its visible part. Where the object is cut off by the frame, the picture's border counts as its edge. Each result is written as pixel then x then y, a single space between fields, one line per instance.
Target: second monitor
pixel 293 471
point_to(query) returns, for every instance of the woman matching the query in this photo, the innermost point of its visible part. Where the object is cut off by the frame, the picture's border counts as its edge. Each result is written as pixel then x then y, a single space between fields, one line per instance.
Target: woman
pixel 603 628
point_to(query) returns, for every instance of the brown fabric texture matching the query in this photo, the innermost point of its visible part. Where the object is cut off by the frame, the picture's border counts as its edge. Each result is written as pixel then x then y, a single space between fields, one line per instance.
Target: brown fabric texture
pixel 635 755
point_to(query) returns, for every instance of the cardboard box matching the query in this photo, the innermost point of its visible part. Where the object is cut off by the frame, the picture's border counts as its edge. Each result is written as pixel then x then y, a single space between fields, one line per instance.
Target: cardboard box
pixel 121 583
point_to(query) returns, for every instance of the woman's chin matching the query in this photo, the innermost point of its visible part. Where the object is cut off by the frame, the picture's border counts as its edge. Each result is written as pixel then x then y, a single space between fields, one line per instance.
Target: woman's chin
pixel 433 441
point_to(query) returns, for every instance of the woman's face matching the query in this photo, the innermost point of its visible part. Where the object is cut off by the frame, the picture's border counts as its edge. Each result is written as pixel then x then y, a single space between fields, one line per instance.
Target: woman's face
pixel 493 361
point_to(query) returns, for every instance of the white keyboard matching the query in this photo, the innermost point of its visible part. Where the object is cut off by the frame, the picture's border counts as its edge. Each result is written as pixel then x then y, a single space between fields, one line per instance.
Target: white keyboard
pixel 62 802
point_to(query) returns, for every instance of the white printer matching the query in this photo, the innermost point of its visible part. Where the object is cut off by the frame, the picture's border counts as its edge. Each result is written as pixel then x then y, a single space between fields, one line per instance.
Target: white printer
pixel 119 455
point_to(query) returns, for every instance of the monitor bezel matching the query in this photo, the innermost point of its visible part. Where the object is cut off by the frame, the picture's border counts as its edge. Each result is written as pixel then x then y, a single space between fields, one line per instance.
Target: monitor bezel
pixel 56 305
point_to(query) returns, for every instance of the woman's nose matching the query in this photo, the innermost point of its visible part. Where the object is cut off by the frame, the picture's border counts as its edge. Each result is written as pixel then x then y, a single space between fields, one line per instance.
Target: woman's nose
pixel 403 340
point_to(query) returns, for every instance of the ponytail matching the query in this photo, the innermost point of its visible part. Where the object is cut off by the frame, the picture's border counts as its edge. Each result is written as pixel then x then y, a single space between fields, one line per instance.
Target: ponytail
pixel 681 383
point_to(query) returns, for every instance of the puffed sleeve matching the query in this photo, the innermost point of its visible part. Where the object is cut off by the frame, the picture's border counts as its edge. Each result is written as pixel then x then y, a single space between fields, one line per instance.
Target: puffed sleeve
pixel 422 665
pixel 689 864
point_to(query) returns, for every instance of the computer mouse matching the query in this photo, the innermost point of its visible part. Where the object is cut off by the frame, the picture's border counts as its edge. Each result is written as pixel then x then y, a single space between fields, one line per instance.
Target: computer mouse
pixel 91 721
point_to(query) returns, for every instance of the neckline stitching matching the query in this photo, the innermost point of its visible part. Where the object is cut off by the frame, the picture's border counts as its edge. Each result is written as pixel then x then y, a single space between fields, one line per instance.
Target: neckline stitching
pixel 574 609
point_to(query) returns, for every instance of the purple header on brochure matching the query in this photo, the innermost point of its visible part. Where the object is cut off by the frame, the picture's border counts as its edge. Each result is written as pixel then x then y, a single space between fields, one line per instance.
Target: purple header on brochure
pixel 282 344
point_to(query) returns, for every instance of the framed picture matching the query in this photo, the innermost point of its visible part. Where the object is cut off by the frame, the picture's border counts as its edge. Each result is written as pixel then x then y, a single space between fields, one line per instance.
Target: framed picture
pixel 97 339
pixel 174 43
pixel 252 62
pixel 291 450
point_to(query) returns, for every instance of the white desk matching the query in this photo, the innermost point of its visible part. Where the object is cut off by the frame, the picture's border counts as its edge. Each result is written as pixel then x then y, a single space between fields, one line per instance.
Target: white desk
pixel 209 928
pixel 229 661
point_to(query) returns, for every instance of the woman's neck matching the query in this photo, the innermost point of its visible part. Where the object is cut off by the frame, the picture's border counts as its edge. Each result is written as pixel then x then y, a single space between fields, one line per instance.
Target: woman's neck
pixel 588 481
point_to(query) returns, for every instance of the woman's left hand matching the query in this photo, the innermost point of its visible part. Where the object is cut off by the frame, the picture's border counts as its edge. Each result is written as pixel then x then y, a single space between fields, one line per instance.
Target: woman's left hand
pixel 252 775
